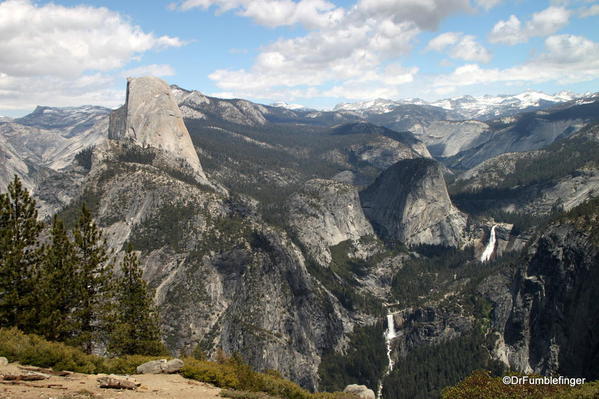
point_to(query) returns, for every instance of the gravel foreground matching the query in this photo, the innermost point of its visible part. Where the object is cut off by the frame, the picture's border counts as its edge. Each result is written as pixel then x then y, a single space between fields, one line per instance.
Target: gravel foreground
pixel 86 386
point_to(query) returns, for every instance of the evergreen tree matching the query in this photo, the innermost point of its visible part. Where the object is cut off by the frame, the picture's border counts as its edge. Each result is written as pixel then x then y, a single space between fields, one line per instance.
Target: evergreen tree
pixel 92 283
pixel 136 329
pixel 19 256
pixel 56 291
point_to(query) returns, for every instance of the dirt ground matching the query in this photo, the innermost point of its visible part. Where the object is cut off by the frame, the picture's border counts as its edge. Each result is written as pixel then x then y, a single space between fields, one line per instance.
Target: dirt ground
pixel 85 386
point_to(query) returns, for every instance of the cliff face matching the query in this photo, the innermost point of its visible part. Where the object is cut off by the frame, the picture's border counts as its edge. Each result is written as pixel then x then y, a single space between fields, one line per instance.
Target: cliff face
pixel 223 277
pixel 324 213
pixel 151 118
pixel 409 202
pixel 546 313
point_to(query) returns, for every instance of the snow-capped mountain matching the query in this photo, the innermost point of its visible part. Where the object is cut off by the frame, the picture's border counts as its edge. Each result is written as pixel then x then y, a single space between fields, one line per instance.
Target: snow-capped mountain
pixel 491 107
pixel 378 106
pixel 293 107
pixel 468 107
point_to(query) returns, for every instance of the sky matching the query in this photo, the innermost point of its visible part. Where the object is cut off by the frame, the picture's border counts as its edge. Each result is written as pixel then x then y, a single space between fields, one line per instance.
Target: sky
pixel 316 53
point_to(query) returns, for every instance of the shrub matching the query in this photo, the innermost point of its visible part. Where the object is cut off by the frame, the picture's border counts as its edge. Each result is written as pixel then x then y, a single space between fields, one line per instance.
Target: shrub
pixel 221 375
pixel 125 364
pixel 231 372
pixel 244 383
pixel 481 385
pixel 36 351
pixel 229 393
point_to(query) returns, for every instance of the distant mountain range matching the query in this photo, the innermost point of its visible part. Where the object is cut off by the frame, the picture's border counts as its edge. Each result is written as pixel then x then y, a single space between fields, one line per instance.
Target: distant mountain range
pixel 468 107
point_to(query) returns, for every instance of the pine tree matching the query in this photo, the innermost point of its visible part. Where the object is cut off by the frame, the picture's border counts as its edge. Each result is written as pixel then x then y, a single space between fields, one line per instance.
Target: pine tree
pixel 136 329
pixel 56 291
pixel 92 283
pixel 19 256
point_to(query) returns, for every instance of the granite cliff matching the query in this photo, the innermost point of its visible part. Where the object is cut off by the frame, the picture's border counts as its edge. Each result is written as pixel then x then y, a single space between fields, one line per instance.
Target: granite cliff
pixel 151 118
pixel 409 203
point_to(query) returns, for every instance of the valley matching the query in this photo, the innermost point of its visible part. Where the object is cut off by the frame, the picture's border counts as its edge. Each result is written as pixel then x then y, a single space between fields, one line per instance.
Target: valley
pixel 398 245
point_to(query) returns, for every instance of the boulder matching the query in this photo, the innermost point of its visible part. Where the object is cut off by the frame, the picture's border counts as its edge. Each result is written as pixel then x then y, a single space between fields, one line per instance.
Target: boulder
pixel 161 366
pixel 361 391
pixel 3 361
pixel 172 366
pixel 151 367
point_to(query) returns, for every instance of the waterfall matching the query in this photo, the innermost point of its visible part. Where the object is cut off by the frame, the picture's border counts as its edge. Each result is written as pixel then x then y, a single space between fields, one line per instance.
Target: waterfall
pixel 389 335
pixel 490 248
pixel 390 328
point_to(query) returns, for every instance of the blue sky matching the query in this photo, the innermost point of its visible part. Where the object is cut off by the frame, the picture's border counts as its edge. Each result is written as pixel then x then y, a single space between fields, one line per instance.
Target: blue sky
pixel 312 52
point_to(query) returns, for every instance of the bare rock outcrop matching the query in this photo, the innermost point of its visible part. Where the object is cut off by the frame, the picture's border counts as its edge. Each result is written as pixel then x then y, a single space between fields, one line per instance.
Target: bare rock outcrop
pixel 151 118
pixel 361 391
pixel 324 213
pixel 409 203
pixel 545 312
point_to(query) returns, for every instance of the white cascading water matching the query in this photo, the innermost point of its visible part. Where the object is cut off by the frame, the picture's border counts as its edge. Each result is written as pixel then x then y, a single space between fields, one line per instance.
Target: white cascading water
pixel 389 335
pixel 490 248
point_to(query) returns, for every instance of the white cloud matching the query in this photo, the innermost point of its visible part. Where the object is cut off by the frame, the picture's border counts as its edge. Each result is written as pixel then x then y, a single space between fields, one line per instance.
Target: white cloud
pixel 426 14
pixel 548 21
pixel 350 54
pixel 541 24
pixel 24 93
pixel 460 46
pixel 63 41
pixel 570 50
pixel 64 55
pixel 488 4
pixel 469 49
pixel 566 59
pixel 272 13
pixel 150 70
pixel 508 32
pixel 444 40
pixel 589 11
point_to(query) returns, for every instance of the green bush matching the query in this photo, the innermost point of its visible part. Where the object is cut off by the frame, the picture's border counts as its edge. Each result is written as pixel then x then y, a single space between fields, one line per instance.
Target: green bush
pixel 125 364
pixel 221 375
pixel 481 385
pixel 34 350
pixel 244 383
pixel 229 393
pixel 230 373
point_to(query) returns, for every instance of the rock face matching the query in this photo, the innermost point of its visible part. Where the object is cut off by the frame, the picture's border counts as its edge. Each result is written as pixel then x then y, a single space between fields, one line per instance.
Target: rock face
pixel 151 118
pixel 528 132
pixel 546 314
pixel 324 213
pixel 360 391
pixel 223 278
pixel 447 138
pixel 427 325
pixel 409 203
pixel 561 176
